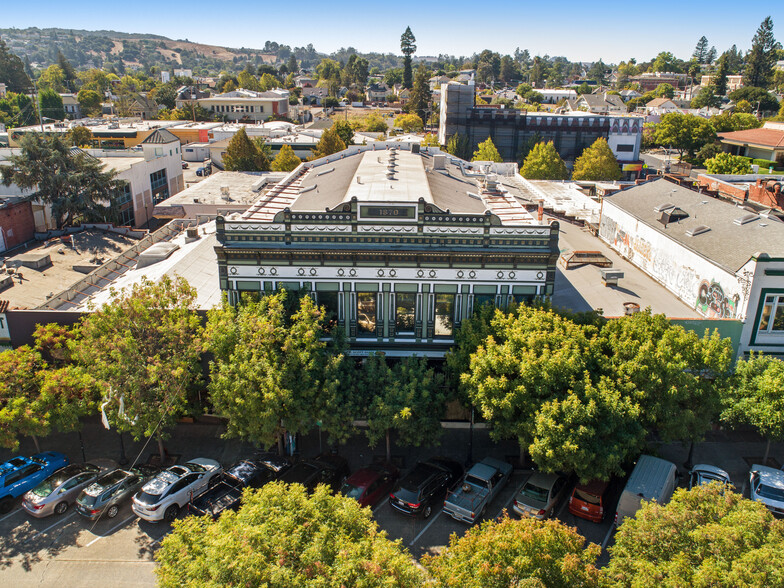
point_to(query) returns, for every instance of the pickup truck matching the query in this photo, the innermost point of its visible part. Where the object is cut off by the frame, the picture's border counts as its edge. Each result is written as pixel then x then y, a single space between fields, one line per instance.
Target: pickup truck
pixel 480 485
pixel 226 494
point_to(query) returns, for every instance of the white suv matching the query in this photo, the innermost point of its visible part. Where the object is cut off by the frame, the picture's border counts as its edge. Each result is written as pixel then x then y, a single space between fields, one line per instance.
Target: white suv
pixel 767 486
pixel 162 497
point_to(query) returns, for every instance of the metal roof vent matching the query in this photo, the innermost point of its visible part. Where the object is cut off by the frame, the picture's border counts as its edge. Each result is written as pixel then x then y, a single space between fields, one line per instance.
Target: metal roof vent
pixel 663 207
pixel 698 230
pixel 745 219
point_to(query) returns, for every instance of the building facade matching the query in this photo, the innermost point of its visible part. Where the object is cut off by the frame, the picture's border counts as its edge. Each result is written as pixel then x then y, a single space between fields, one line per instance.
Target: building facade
pixel 247 105
pixel 399 246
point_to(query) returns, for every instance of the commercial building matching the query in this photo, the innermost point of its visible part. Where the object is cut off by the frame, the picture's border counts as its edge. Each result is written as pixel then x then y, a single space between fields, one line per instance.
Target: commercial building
pixel 247 105
pixel 17 224
pixel 400 246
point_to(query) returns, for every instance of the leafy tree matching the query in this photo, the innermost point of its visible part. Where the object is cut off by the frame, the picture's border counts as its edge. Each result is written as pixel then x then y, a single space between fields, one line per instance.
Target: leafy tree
pixel 737 121
pixel 144 347
pixel 706 152
pixel 89 102
pixel 329 143
pixel 758 97
pixel 684 132
pixel 430 140
pixel 356 72
pixel 285 160
pixel 74 185
pixel 584 88
pixel 523 89
pixel 409 123
pixel 756 397
pixel 724 163
pixel 406 399
pixel 283 537
pixel 52 78
pixel 242 154
pixel 407 48
pixel 459 146
pixel 762 58
pixel 707 97
pixel 374 123
pixel 51 105
pixel 248 81
pixel 486 151
pixel 665 62
pixel 79 136
pixel 12 72
pixel 292 65
pixel 21 409
pixel 664 91
pixel 533 97
pixel 17 110
pixel 345 131
pixel 68 71
pixel 544 163
pixel 421 96
pixel 706 536
pixel 510 552
pixel 597 163
pixel 271 372
pixel 598 72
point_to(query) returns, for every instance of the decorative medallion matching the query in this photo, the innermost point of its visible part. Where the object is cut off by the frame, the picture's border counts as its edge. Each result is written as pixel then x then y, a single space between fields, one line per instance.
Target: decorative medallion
pixel 262 271
pixel 500 275
pixel 420 274
pixel 273 271
pixel 539 275
pixel 341 272
pixel 432 273
pixel 472 274
pixel 233 270
pixel 313 271
pixel 393 273
pixel 301 271
pixel 380 273
pixel 352 272
pixel 460 274
pixel 511 275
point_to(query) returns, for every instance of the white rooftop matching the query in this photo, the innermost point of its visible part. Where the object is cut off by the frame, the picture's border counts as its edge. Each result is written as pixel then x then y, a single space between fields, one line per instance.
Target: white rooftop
pixel 390 176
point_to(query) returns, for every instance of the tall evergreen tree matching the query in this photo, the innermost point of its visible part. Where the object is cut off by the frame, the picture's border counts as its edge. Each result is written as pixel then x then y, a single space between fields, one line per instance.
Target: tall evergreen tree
pixel 68 70
pixel 12 71
pixel 421 96
pixel 762 57
pixel 701 50
pixel 408 48
pixel 720 78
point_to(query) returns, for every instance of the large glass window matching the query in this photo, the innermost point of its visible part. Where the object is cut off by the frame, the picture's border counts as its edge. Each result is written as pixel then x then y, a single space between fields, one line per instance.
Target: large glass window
pixel 366 314
pixel 445 315
pixel 159 185
pixel 405 312
pixel 481 299
pixel 772 315
pixel 329 300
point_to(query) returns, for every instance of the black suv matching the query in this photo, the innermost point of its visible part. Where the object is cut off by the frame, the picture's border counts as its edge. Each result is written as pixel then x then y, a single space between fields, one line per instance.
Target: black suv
pixel 425 485
pixel 324 469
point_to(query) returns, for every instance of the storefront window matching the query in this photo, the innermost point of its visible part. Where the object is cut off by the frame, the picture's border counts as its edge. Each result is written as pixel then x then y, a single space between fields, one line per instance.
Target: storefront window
pixel 772 315
pixel 445 315
pixel 329 300
pixel 366 314
pixel 405 311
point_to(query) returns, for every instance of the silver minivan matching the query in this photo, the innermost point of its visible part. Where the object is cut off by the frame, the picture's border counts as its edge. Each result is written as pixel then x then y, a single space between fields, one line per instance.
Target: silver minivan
pixel 652 479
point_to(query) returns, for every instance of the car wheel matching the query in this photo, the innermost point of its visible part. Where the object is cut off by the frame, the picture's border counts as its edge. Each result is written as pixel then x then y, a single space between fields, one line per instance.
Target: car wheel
pixel 427 512
pixel 171 513
pixel 6 505
pixel 112 511
pixel 61 508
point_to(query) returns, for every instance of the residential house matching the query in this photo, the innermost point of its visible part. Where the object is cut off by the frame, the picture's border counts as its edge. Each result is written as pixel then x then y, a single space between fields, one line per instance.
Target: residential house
pixel 247 105
pixel 183 73
pixel 627 95
pixel 554 96
pixel 661 106
pixel 437 81
pixel 140 106
pixel 378 91
pixel 314 95
pixel 603 103
pixel 765 143
pixel 71 106
pixel 305 82
pixel 187 95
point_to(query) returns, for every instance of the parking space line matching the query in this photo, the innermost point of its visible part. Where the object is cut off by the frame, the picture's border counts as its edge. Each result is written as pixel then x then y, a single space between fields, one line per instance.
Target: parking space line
pixel 607 537
pixel 422 532
pixel 10 514
pixel 60 522
pixel 112 530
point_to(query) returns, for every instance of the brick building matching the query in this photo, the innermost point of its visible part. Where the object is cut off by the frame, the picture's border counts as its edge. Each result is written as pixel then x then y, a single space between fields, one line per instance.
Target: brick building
pixel 17 224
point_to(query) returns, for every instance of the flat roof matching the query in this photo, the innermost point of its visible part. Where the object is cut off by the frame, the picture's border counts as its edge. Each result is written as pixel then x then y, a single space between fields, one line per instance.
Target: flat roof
pixel 120 164
pixel 389 176
pixel 225 188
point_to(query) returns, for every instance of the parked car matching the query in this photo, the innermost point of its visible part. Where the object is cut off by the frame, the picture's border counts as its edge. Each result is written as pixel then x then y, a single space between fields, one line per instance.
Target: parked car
pixel 184 165
pixel 247 473
pixel 107 494
pixel 370 484
pixel 203 171
pixel 652 479
pixel 20 474
pixel 330 470
pixel 703 474
pixel 766 485
pixel 57 492
pixel 591 501
pixel 162 497
pixel 481 484
pixel 425 485
pixel 539 494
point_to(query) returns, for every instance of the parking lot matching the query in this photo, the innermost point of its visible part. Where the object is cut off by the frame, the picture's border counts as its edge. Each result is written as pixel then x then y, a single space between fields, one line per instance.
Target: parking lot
pixel 69 550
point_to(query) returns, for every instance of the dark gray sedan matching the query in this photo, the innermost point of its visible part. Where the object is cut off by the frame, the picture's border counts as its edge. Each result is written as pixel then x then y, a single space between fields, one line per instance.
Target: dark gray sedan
pixel 106 495
pixel 57 492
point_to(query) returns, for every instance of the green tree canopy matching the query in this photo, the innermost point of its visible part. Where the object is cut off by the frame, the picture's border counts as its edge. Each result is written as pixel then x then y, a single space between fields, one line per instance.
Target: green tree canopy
pixel 74 185
pixel 144 347
pixel 12 72
pixel 329 143
pixel 704 537
pixel 52 78
pixel 51 105
pixel 724 163
pixel 407 48
pixel 286 160
pixel 759 98
pixel 421 97
pixel 89 102
pixel 544 163
pixel 17 110
pixel 282 537
pixel 345 131
pixel 410 123
pixel 684 132
pixel 459 146
pixel 597 163
pixel 761 60
pixel 486 151
pixel 242 154
pixel 510 552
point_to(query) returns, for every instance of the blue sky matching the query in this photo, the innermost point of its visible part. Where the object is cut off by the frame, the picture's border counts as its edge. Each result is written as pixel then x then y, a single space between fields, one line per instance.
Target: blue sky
pixel 612 30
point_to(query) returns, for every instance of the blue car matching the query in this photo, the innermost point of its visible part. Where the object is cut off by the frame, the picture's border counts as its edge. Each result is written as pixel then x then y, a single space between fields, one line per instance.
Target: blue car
pixel 20 474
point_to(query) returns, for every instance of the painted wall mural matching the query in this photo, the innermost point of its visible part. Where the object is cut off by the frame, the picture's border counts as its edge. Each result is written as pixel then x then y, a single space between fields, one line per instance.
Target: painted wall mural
pixel 714 303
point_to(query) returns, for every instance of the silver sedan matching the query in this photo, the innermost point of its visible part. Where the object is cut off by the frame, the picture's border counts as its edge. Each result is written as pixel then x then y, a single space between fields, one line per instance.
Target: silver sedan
pixel 57 492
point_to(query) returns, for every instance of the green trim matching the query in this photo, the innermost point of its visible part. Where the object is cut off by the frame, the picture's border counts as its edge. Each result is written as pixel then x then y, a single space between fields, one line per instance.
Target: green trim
pixel 524 290
pixel 445 288
pixel 773 272
pixel 485 290
pixel 760 307
pixel 387 287
pixel 366 287
pixel 327 287
pixel 405 287
pixel 254 285
pixel 292 286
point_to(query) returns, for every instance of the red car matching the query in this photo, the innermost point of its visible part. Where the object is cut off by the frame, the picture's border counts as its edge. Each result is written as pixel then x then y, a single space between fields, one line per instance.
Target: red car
pixel 589 501
pixel 370 484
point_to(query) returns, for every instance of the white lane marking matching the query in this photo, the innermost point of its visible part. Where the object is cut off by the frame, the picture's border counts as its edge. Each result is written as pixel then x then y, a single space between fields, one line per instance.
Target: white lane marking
pixel 60 522
pixel 379 505
pixel 112 530
pixel 10 514
pixel 607 537
pixel 422 532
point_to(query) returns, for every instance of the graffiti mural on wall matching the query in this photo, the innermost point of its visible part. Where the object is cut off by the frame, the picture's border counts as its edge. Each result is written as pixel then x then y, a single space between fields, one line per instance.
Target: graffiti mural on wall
pixel 713 303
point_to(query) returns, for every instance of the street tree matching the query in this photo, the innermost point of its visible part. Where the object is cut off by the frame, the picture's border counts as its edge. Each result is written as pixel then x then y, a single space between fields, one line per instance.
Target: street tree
pixel 282 537
pixel 242 154
pixel 761 60
pixel 375 123
pixel 286 160
pixel 271 372
pixel 706 536
pixel 409 123
pixel 516 552
pixel 75 185
pixel 544 163
pixel 17 110
pixel 724 163
pixel 407 48
pixel 51 104
pixel 329 143
pixel 406 398
pixel 684 132
pixel 430 140
pixel 707 97
pixel 756 397
pixel 597 163
pixel 345 131
pixel 486 151
pixel 143 348
pixel 719 80
pixel 21 411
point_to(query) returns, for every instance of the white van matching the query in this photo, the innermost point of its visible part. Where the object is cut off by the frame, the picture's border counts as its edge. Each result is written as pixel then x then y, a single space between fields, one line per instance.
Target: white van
pixel 652 479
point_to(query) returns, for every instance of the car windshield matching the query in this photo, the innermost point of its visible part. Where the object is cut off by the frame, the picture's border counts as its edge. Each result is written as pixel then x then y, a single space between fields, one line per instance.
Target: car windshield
pixel 535 492
pixel 771 492
pixel 473 480
pixel 351 491
pixel 586 497
pixel 48 486
pixel 87 500
pixel 147 498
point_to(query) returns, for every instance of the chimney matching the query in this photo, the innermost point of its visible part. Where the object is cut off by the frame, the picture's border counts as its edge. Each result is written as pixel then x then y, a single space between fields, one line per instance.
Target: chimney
pixel 540 211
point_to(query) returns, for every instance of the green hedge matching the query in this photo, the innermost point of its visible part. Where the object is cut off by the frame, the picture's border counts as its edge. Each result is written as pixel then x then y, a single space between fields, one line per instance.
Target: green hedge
pixel 765 164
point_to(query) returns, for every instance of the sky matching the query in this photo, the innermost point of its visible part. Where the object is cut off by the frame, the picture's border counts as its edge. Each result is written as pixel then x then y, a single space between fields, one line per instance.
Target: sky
pixel 611 30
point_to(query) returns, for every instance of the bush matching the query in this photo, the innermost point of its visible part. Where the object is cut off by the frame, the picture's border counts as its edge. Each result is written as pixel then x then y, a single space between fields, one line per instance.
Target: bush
pixel 765 163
